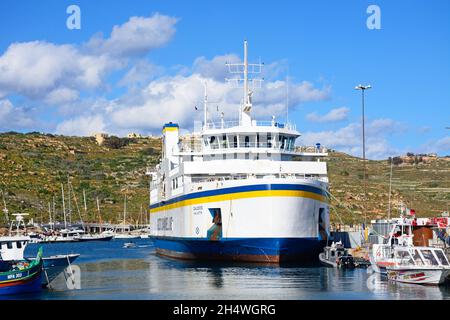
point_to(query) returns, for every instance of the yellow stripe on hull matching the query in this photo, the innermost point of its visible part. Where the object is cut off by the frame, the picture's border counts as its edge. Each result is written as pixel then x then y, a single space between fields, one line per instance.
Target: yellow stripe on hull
pixel 241 195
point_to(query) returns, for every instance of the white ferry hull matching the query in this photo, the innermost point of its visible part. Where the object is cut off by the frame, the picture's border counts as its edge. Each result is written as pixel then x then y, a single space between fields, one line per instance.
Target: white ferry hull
pixel 270 222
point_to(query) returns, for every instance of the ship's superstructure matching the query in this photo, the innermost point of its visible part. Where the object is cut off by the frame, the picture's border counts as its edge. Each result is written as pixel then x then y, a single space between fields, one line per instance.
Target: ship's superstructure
pixel 234 190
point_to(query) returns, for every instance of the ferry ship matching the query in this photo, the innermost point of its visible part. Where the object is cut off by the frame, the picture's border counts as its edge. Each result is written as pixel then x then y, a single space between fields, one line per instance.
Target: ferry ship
pixel 233 190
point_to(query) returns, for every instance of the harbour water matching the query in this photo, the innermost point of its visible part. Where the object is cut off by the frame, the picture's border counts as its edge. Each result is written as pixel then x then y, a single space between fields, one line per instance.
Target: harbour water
pixel 109 271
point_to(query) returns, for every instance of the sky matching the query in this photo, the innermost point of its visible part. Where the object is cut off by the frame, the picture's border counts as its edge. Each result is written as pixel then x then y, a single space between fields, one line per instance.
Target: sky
pixel 132 66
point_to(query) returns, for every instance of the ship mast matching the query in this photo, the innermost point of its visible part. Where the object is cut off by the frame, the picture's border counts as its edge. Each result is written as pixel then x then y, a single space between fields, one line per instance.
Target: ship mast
pixel 247 106
pixel 247 82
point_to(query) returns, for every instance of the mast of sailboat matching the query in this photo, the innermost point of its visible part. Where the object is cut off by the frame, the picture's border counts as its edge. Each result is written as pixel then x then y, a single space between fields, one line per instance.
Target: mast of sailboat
pixel 69 212
pixel 5 209
pixel 50 214
pixel 76 204
pixel 64 206
pixel 84 200
pixel 124 210
pixel 54 211
pixel 390 188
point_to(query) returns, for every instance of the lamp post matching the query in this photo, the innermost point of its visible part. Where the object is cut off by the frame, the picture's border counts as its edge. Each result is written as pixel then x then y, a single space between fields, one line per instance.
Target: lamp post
pixel 363 89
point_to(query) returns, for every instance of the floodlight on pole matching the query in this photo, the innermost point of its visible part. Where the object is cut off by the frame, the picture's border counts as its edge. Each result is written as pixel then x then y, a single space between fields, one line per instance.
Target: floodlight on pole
pixel 363 88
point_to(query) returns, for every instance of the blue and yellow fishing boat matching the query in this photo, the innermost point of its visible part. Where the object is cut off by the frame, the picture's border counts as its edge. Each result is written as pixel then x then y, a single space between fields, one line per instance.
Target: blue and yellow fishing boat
pixel 21 276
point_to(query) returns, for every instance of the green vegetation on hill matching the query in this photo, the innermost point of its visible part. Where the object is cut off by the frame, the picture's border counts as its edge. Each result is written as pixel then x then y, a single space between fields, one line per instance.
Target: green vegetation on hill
pixel 33 166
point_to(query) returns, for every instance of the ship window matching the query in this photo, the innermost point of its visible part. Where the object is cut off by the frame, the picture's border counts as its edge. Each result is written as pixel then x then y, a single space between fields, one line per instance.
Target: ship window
pixel 246 156
pixel 224 156
pixel 9 245
pixel 224 141
pixel 417 258
pixel 269 140
pixel 429 258
pixel 235 155
pixel 257 140
pixel 441 257
pixel 235 142
pixel 247 141
pixel 19 245
pixel 214 143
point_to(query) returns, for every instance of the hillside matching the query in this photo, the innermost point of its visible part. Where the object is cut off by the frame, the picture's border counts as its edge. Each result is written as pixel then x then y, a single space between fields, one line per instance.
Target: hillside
pixel 33 166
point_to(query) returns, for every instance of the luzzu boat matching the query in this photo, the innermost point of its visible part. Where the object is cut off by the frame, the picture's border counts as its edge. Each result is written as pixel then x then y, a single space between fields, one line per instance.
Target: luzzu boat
pixel 12 250
pixel 239 190
pixel 21 276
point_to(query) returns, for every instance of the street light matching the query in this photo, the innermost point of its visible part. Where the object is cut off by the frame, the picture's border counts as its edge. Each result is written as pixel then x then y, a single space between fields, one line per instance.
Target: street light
pixel 364 88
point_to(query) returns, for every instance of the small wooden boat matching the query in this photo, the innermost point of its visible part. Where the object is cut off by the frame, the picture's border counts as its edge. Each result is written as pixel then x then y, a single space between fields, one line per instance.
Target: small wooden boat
pixel 21 276
pixel 419 265
pixel 336 256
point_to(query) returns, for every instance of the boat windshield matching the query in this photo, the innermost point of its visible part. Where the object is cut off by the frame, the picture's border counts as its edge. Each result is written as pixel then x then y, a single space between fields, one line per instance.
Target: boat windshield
pixel 429 258
pixel 405 257
pixel 441 256
pixel 417 258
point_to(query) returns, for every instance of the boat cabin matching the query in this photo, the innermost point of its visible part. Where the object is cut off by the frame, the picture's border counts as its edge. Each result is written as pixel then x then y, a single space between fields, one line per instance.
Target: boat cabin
pixel 420 256
pixel 12 248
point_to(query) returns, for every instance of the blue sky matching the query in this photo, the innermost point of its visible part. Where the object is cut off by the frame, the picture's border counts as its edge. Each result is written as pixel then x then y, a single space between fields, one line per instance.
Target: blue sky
pixel 151 70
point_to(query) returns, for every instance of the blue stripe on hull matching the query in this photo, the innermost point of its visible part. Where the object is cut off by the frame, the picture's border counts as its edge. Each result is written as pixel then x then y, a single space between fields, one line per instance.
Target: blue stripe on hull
pixel 248 188
pixel 268 250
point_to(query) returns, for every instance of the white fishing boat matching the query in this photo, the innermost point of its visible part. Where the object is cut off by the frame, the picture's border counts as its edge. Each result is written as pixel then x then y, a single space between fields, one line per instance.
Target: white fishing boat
pixel 239 190
pixel 419 265
pixel 401 236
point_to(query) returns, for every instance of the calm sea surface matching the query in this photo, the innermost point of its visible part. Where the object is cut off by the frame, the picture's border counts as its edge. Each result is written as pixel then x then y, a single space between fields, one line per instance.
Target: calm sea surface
pixel 109 271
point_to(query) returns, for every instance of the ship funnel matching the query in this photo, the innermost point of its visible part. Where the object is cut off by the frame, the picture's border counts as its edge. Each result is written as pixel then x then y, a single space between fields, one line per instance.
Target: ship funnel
pixel 170 141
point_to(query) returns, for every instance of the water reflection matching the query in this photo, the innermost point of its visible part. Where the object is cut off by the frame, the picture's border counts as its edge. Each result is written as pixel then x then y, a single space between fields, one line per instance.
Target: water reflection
pixel 110 272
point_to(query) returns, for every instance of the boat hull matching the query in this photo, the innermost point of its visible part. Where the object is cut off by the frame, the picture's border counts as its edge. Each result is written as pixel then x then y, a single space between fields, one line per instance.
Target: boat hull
pixel 262 250
pixel 54 265
pixel 21 281
pixel 105 238
pixel 419 276
pixel 270 223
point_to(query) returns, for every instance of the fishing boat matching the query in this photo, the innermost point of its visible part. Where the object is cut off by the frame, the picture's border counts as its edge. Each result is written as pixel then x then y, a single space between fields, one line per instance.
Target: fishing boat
pixel 419 265
pixel 401 236
pixel 12 250
pixel 232 190
pixel 17 277
pixel 336 256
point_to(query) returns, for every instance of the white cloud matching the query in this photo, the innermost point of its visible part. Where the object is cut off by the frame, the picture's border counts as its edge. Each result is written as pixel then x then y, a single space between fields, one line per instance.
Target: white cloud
pixel 215 68
pixel 36 69
pixel 137 36
pixel 174 98
pixel 333 115
pixel 440 146
pixel 82 126
pixel 61 95
pixel 349 138
pixel 57 73
pixel 14 118
pixel 140 73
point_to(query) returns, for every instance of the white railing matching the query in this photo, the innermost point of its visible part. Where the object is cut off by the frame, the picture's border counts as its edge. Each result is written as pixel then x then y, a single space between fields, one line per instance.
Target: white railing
pixel 235 123
pixel 203 179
